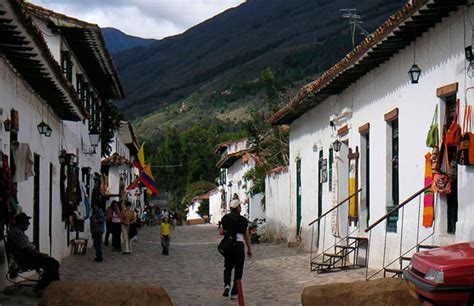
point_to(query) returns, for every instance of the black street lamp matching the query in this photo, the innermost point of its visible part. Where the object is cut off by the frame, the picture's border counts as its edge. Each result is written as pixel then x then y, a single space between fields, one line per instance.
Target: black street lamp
pixel 42 128
pixel 414 74
pixel 7 124
pixel 49 130
pixel 336 145
pixel 94 138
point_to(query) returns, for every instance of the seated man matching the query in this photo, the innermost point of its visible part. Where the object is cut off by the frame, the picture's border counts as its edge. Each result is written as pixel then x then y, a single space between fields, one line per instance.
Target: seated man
pixel 27 256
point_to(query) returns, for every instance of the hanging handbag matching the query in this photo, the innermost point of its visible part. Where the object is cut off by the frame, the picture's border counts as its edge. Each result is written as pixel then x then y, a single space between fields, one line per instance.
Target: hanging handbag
pixel 441 182
pixel 432 140
pixel 465 154
pixel 453 135
pixel 227 244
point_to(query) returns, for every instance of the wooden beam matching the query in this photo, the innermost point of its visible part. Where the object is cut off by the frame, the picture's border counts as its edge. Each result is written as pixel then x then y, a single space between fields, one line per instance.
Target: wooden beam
pixel 343 130
pixel 391 115
pixel 364 129
pixel 447 90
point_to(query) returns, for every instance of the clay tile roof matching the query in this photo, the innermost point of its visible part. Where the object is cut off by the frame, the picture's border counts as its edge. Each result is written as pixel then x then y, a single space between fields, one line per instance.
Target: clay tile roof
pixel 115 160
pixel 22 44
pixel 415 18
pixel 202 197
pixel 225 144
pixel 278 170
pixel 229 159
pixel 87 43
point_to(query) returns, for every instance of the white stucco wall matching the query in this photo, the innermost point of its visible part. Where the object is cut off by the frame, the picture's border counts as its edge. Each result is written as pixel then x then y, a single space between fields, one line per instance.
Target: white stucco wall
pixel 15 94
pixel 215 211
pixel 256 207
pixel 193 211
pixel 277 206
pixel 251 205
pixel 440 55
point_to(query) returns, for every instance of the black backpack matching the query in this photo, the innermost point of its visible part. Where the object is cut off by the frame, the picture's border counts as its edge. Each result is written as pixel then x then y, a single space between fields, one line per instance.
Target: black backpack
pixel 227 244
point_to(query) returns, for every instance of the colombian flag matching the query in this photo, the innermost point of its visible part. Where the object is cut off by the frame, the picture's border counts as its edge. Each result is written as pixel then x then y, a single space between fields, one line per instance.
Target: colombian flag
pixel 147 179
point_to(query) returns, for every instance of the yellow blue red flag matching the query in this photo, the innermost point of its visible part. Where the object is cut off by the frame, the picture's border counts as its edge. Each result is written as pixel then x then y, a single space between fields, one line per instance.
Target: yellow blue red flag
pixel 147 179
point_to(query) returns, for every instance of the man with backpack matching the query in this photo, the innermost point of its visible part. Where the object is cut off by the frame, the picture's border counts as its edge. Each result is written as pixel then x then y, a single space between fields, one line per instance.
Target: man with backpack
pixel 234 224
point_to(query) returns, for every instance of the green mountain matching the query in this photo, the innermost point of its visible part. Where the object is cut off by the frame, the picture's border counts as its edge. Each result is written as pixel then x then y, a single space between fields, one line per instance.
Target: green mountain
pixel 118 41
pixel 211 72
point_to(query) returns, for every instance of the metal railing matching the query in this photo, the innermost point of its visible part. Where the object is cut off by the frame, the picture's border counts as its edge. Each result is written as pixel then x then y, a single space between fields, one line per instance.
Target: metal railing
pixel 419 194
pixel 318 221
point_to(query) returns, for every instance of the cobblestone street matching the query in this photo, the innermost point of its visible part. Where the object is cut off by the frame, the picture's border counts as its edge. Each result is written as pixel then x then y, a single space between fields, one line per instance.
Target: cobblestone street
pixel 192 274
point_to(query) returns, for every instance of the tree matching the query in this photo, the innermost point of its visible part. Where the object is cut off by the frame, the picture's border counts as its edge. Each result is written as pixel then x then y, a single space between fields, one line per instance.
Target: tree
pixel 273 98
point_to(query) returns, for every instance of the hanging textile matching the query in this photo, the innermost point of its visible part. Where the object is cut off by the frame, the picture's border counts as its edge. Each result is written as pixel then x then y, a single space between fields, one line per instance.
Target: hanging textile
pixel 353 202
pixel 84 205
pixel 428 198
pixel 24 163
pixel 335 200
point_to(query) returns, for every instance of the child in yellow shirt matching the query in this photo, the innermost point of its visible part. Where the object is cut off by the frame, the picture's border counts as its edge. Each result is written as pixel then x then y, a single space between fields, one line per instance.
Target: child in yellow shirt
pixel 165 234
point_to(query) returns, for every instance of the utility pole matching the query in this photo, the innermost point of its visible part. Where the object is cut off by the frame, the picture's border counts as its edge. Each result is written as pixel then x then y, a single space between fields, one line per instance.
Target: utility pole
pixel 355 22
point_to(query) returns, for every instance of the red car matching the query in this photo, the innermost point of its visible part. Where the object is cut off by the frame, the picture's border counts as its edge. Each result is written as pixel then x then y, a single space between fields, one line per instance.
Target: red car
pixel 443 276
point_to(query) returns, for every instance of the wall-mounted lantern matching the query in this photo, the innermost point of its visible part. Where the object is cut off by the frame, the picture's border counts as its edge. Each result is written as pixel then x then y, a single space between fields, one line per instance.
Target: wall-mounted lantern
pixel 468 52
pixel 414 74
pixel 48 132
pixel 336 145
pixel 7 124
pixel 42 128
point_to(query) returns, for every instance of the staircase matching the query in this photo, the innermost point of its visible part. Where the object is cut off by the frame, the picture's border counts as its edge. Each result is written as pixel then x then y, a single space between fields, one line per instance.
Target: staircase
pixel 344 255
pixel 404 262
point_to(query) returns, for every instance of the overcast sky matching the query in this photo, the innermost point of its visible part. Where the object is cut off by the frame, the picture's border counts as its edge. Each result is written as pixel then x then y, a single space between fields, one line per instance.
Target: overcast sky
pixel 143 18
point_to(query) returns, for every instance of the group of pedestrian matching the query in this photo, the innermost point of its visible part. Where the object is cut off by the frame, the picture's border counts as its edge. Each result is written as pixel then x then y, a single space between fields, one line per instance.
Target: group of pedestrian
pixel 121 224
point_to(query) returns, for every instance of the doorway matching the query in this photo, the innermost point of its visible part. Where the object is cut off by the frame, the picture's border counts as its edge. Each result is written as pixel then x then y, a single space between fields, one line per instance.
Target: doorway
pixel 36 202
pixel 50 229
pixel 320 193
pixel 343 187
pixel 298 196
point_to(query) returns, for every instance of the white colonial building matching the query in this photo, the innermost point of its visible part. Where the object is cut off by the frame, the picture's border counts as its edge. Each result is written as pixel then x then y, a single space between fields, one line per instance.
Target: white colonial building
pixel 56 77
pixel 363 125
pixel 117 170
pixel 236 159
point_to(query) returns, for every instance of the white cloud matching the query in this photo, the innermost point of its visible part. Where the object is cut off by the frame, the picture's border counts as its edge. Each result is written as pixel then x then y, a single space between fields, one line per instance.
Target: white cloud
pixel 144 18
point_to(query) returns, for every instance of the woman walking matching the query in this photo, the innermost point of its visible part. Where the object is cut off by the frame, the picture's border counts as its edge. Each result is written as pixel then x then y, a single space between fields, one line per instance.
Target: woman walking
pixel 116 222
pixel 128 217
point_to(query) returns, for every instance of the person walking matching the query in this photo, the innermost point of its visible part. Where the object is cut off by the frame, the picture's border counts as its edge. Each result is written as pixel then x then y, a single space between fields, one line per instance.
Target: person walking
pixel 116 222
pixel 97 229
pixel 128 217
pixel 234 224
pixel 108 224
pixel 173 218
pixel 165 234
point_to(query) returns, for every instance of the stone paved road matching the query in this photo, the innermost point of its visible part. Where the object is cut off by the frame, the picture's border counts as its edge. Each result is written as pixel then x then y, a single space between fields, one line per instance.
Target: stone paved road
pixel 192 274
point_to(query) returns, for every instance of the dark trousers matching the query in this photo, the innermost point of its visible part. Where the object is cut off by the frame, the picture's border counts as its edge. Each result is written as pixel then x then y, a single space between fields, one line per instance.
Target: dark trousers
pixel 49 265
pixel 97 238
pixel 165 244
pixel 234 259
pixel 116 232
pixel 108 231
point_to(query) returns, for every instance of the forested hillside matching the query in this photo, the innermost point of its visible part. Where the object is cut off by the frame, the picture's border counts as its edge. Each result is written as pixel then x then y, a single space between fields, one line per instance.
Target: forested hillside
pixel 211 72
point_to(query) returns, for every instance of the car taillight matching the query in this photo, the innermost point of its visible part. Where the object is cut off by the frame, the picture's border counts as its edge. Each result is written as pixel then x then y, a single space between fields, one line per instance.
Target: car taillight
pixel 435 276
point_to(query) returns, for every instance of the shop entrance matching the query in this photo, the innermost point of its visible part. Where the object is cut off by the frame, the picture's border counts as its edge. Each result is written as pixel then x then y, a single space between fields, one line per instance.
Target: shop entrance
pixel 36 202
